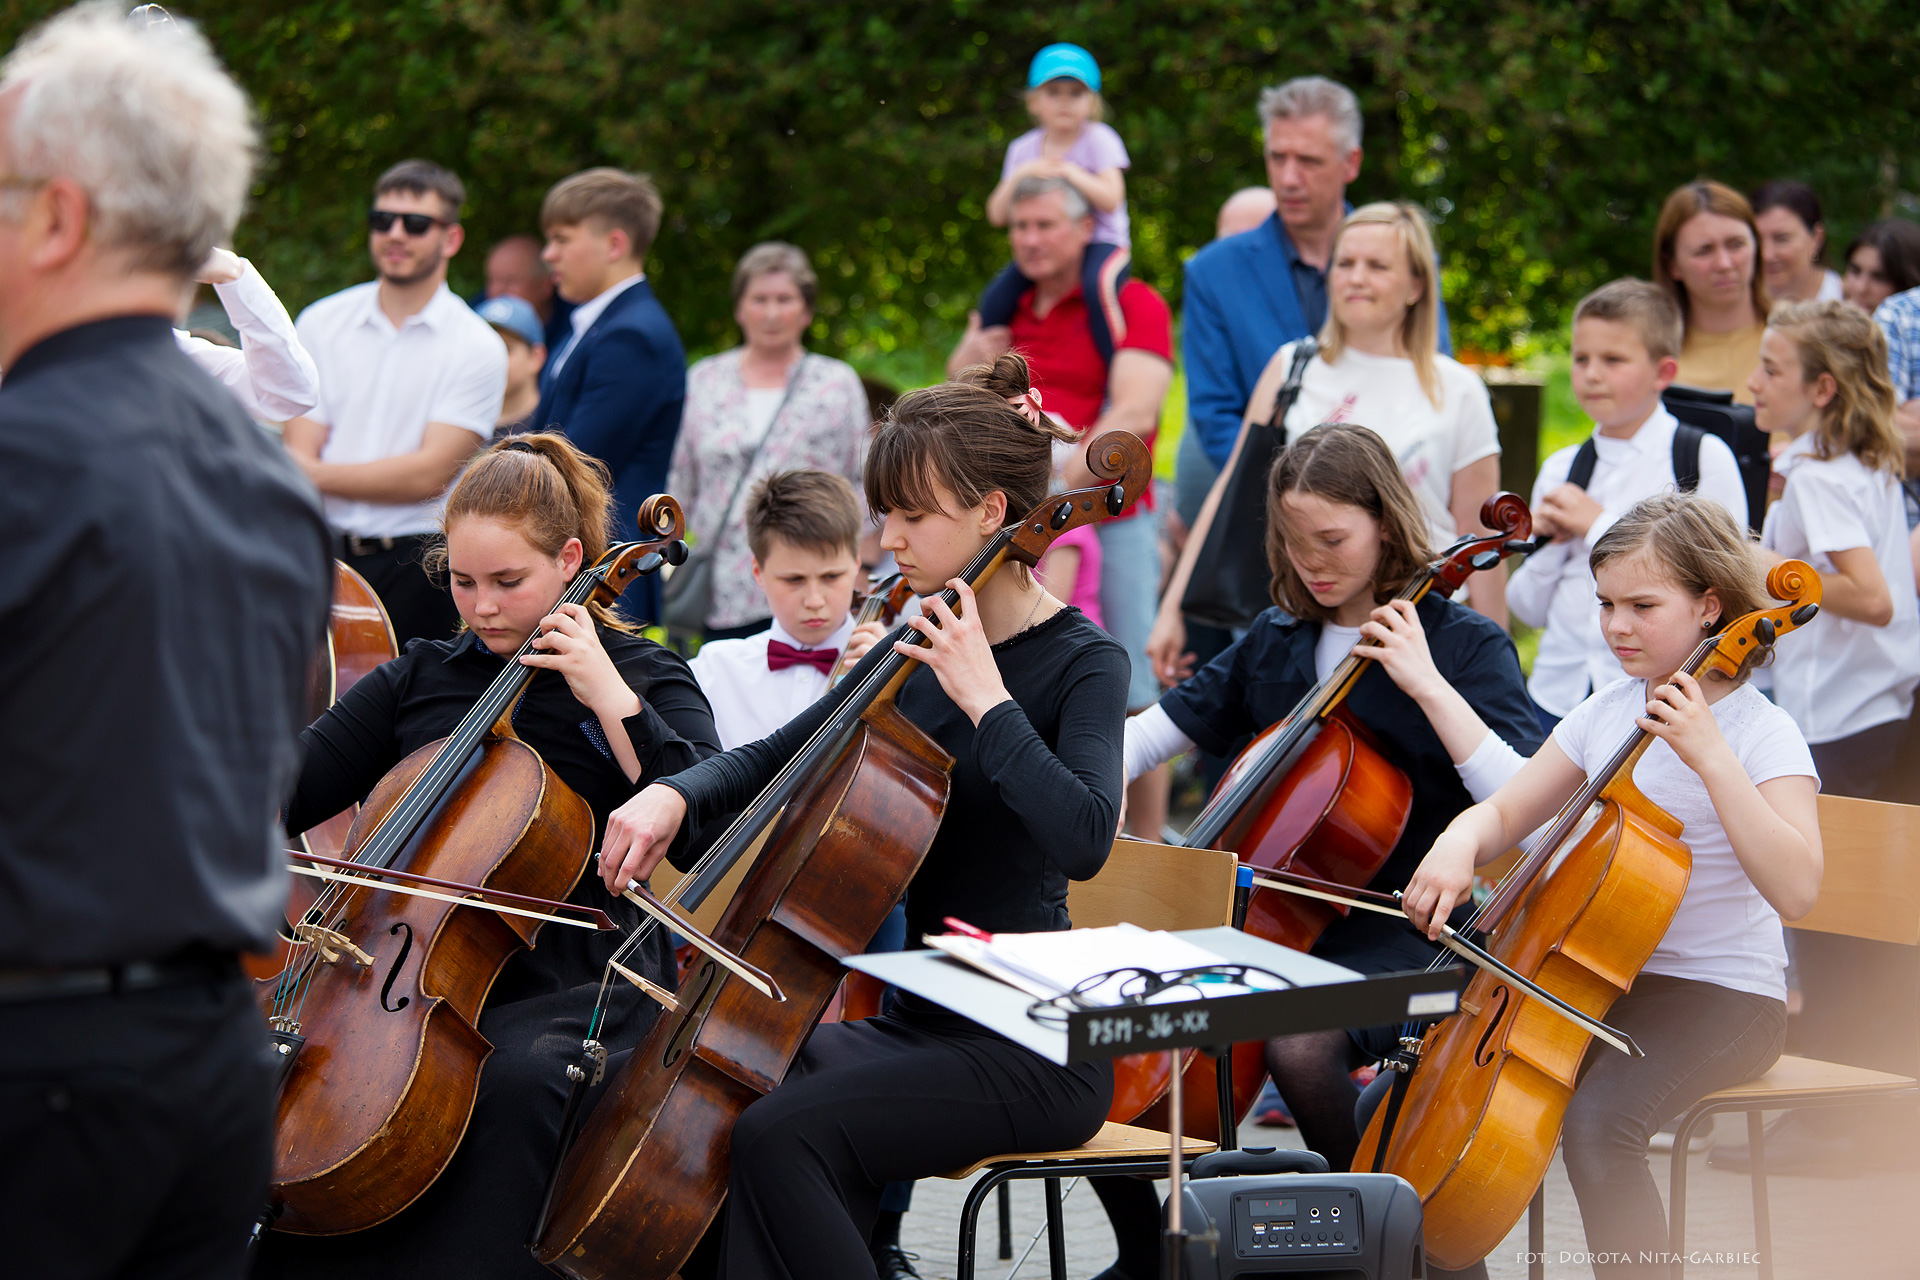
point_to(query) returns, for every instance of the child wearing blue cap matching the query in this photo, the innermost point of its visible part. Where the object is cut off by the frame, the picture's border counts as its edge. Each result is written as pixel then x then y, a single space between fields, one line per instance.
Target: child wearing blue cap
pixel 1063 96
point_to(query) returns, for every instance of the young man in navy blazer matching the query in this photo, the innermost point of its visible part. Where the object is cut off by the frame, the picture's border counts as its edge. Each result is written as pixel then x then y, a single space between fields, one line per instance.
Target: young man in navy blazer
pixel 616 385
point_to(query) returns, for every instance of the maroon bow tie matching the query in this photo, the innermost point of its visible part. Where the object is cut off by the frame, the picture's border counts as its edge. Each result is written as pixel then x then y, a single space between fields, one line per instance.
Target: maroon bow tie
pixel 781 655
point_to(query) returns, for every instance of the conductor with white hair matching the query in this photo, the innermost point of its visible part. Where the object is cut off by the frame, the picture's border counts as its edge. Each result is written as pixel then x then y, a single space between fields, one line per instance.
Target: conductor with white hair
pixel 167 580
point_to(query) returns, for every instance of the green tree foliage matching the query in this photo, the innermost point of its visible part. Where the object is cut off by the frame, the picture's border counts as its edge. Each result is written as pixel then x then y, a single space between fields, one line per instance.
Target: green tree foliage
pixel 1540 134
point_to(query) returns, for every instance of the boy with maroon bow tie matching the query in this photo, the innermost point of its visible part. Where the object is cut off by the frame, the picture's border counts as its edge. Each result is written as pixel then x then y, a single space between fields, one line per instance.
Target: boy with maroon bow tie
pixel 803 528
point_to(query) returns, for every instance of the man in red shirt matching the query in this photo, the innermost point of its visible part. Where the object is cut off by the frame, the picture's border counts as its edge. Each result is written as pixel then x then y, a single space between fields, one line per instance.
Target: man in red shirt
pixel 1058 330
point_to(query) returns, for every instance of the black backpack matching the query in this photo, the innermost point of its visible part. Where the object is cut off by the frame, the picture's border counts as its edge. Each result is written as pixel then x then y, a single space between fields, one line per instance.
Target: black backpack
pixel 1704 413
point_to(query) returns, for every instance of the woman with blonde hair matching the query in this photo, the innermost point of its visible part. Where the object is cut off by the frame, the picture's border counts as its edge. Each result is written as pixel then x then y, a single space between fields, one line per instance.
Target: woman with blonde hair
pixel 1706 253
pixel 1376 364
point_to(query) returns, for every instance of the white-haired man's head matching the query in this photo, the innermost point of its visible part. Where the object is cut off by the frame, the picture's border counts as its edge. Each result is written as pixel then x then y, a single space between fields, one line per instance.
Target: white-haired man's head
pixel 143 120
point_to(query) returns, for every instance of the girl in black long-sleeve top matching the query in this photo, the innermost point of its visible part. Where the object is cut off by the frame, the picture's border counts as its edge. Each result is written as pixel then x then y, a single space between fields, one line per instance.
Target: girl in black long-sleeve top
pixel 607 711
pixel 1030 700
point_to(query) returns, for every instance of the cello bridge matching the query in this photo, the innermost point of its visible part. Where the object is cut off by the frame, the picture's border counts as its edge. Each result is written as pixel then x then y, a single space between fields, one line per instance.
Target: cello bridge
pixel 329 943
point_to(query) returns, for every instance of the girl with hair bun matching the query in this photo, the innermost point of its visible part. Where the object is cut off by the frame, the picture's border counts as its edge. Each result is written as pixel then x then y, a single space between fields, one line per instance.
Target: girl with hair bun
pixel 608 711
pixel 1029 698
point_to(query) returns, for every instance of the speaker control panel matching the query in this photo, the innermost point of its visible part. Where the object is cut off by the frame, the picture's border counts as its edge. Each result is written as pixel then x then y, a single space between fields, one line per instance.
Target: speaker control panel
pixel 1315 1221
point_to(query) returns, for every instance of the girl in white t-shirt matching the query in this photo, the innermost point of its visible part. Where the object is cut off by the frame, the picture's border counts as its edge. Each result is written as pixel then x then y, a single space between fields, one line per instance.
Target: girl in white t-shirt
pixel 1709 1008
pixel 1847 679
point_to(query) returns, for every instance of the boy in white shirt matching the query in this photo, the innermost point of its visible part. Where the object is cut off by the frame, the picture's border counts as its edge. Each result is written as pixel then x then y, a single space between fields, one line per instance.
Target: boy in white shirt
pixel 803 528
pixel 1626 346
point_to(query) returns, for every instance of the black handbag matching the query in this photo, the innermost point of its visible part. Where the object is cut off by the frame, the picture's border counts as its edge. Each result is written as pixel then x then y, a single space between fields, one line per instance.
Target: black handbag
pixel 1231 580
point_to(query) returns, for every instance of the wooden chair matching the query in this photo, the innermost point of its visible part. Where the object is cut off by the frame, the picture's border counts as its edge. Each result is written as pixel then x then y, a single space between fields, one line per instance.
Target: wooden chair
pixel 1871 889
pixel 1155 886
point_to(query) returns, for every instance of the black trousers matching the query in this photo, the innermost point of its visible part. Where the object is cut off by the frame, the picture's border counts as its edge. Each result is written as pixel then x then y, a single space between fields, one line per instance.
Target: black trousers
pixel 135 1133
pixel 913 1093
pixel 420 607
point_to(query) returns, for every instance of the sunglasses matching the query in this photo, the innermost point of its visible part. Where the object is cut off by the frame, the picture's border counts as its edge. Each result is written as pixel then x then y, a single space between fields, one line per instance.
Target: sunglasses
pixel 380 221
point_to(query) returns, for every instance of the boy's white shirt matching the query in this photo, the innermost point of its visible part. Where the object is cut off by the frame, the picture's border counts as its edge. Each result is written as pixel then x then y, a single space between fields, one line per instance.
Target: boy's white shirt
pixel 1554 588
pixel 749 701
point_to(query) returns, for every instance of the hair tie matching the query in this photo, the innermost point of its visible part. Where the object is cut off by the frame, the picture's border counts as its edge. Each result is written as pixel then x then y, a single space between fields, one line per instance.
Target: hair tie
pixel 1027 405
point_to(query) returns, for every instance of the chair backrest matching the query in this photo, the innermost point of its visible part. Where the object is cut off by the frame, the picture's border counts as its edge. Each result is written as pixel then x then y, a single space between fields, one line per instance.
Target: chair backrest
pixel 1871 886
pixel 1156 886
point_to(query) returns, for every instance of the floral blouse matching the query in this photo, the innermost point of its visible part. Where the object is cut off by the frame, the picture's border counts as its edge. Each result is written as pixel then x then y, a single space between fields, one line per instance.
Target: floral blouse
pixel 823 425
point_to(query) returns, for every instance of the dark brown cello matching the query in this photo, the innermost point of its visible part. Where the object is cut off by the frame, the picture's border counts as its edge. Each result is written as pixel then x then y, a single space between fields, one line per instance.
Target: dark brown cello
pixel 359 638
pixel 852 815
pixel 1579 916
pixel 1313 796
pixel 377 1007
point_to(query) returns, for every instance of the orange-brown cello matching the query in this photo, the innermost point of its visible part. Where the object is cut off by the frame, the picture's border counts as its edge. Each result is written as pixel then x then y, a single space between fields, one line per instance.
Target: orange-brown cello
pixel 851 817
pixel 1578 916
pixel 359 638
pixel 378 1006
pixel 1312 795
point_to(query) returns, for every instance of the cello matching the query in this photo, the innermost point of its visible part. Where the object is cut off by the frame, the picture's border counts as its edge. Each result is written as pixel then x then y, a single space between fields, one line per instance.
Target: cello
pixel 1312 796
pixel 1483 1094
pixel 852 815
pixel 359 638
pixel 374 1015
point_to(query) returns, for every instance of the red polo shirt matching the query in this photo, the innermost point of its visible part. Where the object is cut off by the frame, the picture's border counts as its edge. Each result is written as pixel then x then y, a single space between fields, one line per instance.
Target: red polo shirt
pixel 1067 367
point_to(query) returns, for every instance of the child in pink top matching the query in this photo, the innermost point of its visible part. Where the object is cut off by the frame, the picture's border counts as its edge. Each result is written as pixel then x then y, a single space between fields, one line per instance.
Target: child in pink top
pixel 1071 571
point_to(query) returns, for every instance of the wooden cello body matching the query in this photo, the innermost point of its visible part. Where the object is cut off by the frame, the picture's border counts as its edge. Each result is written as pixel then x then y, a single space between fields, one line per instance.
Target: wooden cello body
pixel 359 638
pixel 856 810
pixel 379 1003
pixel 1579 917
pixel 1313 795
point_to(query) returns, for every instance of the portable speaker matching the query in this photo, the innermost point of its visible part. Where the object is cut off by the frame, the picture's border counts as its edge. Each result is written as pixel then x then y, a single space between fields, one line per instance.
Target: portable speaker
pixel 1349 1226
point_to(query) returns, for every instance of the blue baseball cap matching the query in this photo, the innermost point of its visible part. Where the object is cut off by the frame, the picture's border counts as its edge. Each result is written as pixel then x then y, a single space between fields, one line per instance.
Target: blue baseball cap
pixel 515 315
pixel 1068 61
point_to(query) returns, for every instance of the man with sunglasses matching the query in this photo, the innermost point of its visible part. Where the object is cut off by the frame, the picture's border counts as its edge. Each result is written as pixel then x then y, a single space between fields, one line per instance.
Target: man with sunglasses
pixel 411 384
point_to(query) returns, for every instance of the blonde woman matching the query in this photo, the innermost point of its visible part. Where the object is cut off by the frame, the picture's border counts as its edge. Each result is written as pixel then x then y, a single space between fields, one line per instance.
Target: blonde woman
pixel 1377 365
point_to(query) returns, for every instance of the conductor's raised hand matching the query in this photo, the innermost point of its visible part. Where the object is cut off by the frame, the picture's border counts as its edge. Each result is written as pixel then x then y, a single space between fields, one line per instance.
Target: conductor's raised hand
pixel 958 652
pixel 568 643
pixel 638 835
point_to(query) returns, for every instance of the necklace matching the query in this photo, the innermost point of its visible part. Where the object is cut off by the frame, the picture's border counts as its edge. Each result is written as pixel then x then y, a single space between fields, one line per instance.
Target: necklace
pixel 1038 597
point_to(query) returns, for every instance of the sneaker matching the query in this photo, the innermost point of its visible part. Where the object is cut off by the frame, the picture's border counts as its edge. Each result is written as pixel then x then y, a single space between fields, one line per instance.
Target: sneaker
pixel 895 1263
pixel 1269 1112
pixel 1662 1140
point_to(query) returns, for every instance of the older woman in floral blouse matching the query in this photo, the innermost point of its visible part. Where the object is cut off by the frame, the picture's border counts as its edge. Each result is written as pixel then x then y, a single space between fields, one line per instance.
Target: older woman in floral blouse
pixel 767 405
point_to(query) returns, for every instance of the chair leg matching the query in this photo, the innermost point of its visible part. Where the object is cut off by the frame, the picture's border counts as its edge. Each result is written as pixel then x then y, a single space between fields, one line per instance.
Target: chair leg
pixel 970 1222
pixel 1762 1225
pixel 1537 1233
pixel 1004 1194
pixel 1677 1190
pixel 1056 1232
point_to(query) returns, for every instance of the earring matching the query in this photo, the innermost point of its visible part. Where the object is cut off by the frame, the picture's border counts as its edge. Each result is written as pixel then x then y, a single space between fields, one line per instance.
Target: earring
pixel 1707 625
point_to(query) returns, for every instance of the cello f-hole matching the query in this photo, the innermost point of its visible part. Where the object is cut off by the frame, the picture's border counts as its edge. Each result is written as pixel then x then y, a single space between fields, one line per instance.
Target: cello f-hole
pixel 1482 1052
pixel 693 1009
pixel 406 948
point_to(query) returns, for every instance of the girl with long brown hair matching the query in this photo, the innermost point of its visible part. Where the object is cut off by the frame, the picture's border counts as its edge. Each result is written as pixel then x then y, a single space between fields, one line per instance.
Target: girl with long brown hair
pixel 1028 697
pixel 608 711
pixel 1344 535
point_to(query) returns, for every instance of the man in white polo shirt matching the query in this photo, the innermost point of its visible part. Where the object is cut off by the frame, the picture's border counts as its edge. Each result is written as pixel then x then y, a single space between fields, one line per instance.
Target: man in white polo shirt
pixel 411 383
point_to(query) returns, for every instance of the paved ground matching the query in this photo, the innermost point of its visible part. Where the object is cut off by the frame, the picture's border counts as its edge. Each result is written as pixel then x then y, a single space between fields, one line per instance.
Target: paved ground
pixel 1823 1229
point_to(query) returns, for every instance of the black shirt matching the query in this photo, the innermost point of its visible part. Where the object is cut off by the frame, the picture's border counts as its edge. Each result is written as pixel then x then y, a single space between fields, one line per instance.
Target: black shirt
pixel 1036 787
pixel 166 583
pixel 420 696
pixel 1266 673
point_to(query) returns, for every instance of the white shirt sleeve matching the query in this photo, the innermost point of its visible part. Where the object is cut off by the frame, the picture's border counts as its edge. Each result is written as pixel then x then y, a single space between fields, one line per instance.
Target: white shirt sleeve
pixel 280 378
pixel 1152 739
pixel 1490 766
pixel 472 399
pixel 1530 588
pixel 1475 434
pixel 1828 509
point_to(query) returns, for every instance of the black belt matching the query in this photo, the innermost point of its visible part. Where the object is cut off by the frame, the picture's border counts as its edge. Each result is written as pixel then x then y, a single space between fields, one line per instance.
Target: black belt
pixel 355 545
pixel 18 986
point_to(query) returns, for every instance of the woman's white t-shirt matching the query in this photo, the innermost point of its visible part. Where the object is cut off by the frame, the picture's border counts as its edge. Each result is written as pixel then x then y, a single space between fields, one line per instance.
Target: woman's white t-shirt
pixel 1724 931
pixel 1835 676
pixel 1384 393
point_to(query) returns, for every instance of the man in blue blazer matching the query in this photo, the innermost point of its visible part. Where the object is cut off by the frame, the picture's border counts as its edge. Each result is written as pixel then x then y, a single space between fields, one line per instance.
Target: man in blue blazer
pixel 617 384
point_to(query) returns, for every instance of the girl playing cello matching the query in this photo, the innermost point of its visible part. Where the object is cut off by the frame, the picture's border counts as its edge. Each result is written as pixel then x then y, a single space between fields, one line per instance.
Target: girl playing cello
pixel 1028 697
pixel 1344 534
pixel 608 710
pixel 1709 1009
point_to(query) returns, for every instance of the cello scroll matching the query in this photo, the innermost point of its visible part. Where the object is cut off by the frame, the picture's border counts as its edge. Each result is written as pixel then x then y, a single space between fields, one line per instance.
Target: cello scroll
pixel 663 527
pixel 1119 457
pixel 1507 515
pixel 1742 641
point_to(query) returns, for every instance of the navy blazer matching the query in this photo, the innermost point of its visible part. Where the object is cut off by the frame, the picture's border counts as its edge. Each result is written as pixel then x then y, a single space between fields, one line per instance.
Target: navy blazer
pixel 618 397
